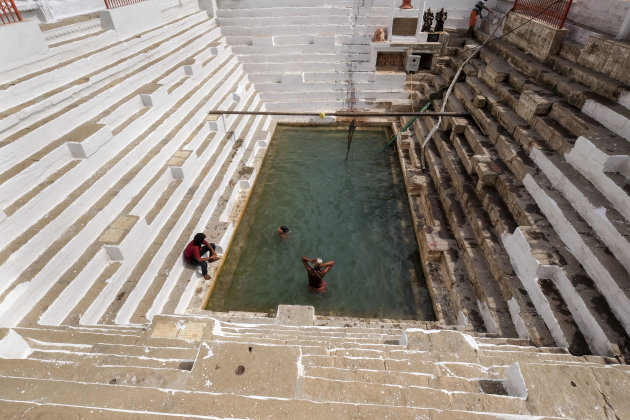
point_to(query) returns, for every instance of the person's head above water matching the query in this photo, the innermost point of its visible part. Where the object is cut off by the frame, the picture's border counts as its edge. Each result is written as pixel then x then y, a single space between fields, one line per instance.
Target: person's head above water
pixel 199 238
pixel 283 229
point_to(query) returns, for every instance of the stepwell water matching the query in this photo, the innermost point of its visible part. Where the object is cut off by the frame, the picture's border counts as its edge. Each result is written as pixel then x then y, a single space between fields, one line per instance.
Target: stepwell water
pixel 354 212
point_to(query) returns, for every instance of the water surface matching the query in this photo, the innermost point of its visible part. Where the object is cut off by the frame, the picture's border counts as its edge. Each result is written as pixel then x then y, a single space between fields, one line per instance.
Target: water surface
pixel 354 212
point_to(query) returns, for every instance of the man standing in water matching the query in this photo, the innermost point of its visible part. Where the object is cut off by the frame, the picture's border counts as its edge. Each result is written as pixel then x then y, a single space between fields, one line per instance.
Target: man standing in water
pixel 317 272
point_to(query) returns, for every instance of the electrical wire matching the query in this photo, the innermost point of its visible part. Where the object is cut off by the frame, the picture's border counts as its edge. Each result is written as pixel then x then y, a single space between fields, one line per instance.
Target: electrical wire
pixel 489 39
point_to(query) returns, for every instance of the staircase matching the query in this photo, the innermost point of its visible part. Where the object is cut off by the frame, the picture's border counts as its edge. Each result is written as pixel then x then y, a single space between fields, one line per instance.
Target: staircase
pixel 110 155
pixel 229 366
pixel 311 56
pixel 530 189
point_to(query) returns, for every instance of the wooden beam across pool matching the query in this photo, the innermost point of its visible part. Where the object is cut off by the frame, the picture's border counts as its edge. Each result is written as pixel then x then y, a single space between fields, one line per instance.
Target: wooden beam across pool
pixel 345 114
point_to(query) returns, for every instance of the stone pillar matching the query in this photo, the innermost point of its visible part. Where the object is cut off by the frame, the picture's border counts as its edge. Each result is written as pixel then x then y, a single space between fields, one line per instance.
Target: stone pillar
pixel 20 40
pixel 535 38
pixel 208 5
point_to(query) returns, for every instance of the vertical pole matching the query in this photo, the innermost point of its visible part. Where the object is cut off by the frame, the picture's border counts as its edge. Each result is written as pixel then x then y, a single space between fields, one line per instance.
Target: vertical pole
pixel 566 12
pixel 15 9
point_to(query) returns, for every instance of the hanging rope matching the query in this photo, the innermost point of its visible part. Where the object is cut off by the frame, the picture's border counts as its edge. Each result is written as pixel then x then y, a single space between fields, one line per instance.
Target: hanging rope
pixel 351 129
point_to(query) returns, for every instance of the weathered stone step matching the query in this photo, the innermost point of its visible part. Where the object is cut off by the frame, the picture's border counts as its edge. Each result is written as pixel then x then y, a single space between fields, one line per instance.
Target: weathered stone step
pixel 23 409
pixel 173 402
pixel 472 231
pixel 611 227
pixel 336 342
pixel 368 393
pixel 162 352
pixel 376 334
pixel 72 336
pixel 597 82
pixel 443 380
pixel 142 168
pixel 108 359
pixel 90 373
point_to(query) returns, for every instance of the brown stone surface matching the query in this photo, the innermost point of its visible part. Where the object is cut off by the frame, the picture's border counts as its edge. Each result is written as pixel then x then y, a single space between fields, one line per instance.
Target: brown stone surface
pixel 554 390
pixel 608 56
pixel 242 368
pixel 536 38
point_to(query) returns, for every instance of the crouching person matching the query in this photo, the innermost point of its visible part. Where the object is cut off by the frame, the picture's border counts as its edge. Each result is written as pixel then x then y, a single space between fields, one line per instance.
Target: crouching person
pixel 196 249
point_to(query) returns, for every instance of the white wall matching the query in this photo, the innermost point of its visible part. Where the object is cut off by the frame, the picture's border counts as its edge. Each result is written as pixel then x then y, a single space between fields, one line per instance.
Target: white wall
pixel 604 15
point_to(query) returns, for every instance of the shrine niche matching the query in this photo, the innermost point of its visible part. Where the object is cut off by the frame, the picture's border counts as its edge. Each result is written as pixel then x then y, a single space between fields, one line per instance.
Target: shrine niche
pixel 404 26
pixel 391 61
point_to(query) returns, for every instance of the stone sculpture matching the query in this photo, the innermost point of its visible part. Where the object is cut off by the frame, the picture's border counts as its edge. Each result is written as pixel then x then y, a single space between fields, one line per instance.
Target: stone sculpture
pixel 427 21
pixel 440 17
pixel 379 35
pixel 406 4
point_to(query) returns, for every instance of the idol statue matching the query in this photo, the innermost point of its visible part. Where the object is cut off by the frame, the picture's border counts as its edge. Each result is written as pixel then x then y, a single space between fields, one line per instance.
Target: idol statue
pixel 427 20
pixel 379 35
pixel 440 17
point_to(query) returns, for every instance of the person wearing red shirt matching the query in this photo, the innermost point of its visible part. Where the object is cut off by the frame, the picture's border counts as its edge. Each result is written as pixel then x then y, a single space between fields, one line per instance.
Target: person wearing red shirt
pixel 198 247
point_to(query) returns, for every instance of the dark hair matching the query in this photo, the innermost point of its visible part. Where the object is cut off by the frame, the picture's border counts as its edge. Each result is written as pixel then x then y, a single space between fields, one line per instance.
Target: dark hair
pixel 284 229
pixel 199 237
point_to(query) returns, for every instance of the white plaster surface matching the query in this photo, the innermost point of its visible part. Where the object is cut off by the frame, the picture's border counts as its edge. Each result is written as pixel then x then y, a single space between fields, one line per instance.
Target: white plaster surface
pixel 132 19
pixel 592 163
pixel 607 16
pixel 56 264
pixel 488 321
pixel 526 269
pixel 529 271
pixel 13 346
pixel 60 9
pixel 595 217
pixel 514 382
pixel 90 145
pixel 615 122
pixel 517 320
pixel 26 41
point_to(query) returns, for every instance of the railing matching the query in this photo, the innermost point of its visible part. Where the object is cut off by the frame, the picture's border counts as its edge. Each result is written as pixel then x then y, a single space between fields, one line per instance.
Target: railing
pixel 8 12
pixel 112 4
pixel 551 12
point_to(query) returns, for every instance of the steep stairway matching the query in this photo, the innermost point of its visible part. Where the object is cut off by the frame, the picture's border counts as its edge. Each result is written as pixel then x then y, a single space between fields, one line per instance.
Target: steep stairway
pixel 232 366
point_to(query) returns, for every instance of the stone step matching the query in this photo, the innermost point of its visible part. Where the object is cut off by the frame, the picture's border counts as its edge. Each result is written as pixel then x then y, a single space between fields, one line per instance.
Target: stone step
pixel 611 227
pixel 185 293
pixel 29 95
pixel 21 409
pixel 154 137
pixel 82 171
pixel 609 275
pixel 179 200
pixel 184 403
pixel 339 342
pixel 88 372
pixel 77 336
pixel 595 81
pixel 138 298
pixel 108 359
pixel 193 294
pixel 518 164
pixel 184 352
pixel 368 393
pixel 487 293
pixel 575 312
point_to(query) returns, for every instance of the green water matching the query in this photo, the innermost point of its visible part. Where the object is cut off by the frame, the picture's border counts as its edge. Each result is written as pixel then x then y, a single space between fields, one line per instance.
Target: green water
pixel 354 212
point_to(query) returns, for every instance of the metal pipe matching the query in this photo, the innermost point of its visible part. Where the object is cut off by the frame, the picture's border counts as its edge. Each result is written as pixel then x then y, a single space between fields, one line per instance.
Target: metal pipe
pixel 346 114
